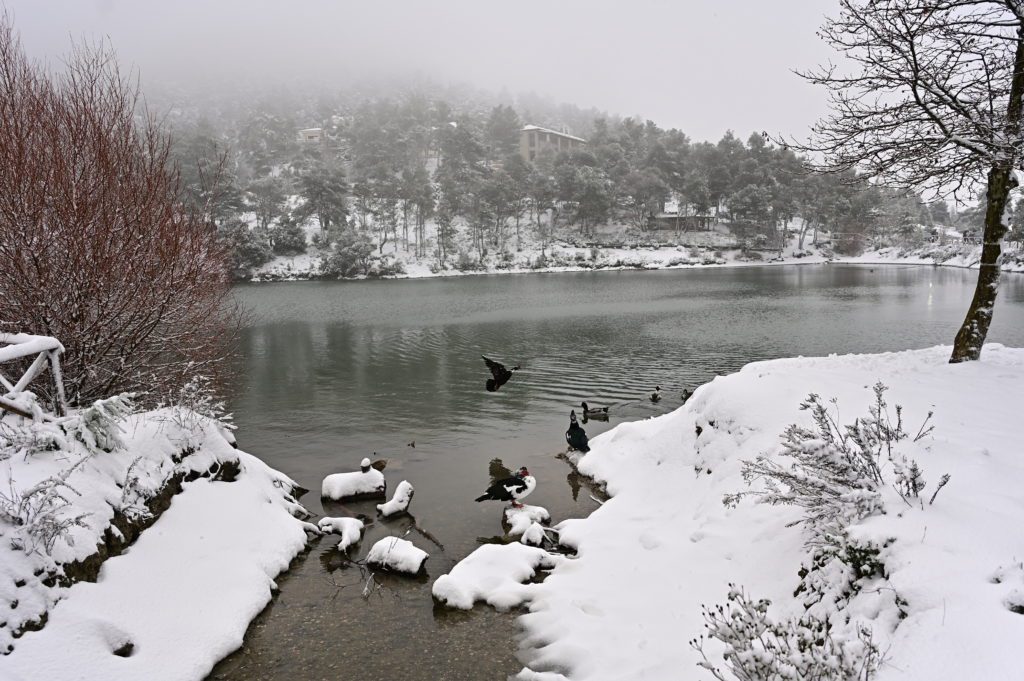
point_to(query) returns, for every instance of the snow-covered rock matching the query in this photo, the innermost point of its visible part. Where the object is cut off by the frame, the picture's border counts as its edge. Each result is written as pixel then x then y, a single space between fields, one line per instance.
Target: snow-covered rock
pixel 493 573
pixel 534 535
pixel 398 555
pixel 664 544
pixel 367 482
pixel 350 529
pixel 399 503
pixel 521 519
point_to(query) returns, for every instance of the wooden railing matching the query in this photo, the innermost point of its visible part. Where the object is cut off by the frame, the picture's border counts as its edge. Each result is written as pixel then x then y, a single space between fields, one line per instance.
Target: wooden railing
pixel 18 346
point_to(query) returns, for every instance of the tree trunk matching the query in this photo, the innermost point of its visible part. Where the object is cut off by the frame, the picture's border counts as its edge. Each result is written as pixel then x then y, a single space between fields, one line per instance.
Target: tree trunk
pixel 971 336
pixel 1001 180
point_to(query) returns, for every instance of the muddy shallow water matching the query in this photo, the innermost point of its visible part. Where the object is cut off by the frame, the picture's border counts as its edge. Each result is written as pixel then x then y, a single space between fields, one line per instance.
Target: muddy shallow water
pixel 334 372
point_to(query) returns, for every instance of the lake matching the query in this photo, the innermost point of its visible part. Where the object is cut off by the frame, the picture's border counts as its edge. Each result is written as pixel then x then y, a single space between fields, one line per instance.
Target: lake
pixel 337 371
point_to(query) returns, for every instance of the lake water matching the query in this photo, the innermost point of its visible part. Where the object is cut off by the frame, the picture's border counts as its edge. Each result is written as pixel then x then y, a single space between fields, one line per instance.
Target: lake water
pixel 335 371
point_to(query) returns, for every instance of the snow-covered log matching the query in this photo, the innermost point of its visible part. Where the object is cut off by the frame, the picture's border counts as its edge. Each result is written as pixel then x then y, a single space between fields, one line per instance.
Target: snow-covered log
pixel 397 555
pixel 364 483
pixel 400 502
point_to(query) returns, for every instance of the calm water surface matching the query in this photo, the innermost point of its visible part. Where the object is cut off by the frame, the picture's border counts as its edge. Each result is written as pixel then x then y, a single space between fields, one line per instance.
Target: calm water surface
pixel 335 371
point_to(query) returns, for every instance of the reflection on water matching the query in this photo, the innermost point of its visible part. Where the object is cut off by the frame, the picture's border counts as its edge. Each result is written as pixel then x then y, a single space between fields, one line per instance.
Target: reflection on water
pixel 338 371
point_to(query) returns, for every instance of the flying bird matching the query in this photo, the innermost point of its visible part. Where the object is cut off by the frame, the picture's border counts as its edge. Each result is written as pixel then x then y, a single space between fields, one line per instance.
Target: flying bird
pixel 500 374
pixel 576 436
pixel 511 489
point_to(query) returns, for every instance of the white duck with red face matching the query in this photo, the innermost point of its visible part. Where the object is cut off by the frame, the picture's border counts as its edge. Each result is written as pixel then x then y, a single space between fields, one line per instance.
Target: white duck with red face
pixel 511 489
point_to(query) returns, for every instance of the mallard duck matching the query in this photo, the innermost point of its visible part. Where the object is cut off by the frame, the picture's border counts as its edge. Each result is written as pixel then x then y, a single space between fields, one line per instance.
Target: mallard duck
pixel 499 373
pixel 511 489
pixel 576 436
pixel 656 395
pixel 596 414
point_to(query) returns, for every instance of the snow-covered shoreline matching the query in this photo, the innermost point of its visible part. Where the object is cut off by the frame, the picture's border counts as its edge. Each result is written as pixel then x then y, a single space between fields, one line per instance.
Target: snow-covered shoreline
pixel 306 267
pixel 179 598
pixel 947 603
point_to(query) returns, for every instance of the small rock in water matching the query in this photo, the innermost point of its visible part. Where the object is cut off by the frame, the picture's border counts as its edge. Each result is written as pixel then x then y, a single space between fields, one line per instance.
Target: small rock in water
pixel 400 502
pixel 350 529
pixel 519 520
pixel 398 555
pixel 366 482
pixel 534 535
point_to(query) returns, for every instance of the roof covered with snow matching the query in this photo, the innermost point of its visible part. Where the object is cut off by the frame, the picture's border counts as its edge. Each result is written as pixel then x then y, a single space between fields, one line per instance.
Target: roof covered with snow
pixel 527 128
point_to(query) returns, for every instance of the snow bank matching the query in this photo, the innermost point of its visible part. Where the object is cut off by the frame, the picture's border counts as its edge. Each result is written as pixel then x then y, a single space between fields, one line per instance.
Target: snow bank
pixel 494 574
pixel 400 555
pixel 182 596
pixel 400 502
pixel 362 483
pixel 350 529
pixel 665 544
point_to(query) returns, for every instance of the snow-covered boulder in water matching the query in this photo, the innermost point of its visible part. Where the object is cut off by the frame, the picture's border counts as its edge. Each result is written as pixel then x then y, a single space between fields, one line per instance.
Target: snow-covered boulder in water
pixel 366 482
pixel 350 529
pixel 521 519
pixel 493 573
pixel 400 502
pixel 398 555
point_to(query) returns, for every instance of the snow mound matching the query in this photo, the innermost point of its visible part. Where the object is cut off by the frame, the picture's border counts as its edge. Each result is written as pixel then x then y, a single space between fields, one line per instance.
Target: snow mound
pixel 520 520
pixel 494 573
pixel 399 555
pixel 400 502
pixel 364 483
pixel 350 529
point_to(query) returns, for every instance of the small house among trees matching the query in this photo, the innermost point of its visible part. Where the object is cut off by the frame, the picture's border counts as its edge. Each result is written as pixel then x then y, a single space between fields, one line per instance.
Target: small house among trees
pixel 534 139
pixel 311 135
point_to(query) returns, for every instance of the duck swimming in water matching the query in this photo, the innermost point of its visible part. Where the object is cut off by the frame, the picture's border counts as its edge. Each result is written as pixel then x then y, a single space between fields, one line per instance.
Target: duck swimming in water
pixel 511 489
pixel 687 394
pixel 576 436
pixel 499 373
pixel 656 395
pixel 595 414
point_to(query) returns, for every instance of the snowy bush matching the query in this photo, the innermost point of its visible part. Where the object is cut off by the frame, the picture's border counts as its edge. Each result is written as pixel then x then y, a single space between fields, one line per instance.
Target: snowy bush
pixel 805 648
pixel 194 402
pixel 350 256
pixel 39 513
pixel 835 473
pixel 288 238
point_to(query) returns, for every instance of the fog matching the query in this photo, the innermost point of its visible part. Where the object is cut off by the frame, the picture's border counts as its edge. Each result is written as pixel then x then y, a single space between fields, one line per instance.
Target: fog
pixel 704 67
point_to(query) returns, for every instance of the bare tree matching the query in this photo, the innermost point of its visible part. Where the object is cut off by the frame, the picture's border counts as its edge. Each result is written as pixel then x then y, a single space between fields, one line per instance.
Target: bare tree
pixel 934 103
pixel 96 246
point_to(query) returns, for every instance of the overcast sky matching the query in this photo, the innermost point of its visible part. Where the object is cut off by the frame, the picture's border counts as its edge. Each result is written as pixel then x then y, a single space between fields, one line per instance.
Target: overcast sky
pixel 700 65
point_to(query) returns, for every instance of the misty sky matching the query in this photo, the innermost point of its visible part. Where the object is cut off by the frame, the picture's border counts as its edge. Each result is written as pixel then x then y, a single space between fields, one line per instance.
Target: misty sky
pixel 702 66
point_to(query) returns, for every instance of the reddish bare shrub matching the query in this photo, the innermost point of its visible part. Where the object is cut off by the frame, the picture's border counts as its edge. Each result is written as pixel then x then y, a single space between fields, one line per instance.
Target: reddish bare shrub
pixel 96 246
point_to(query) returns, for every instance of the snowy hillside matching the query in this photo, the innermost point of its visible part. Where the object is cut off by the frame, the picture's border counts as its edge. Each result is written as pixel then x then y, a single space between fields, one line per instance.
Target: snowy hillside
pixel 934 581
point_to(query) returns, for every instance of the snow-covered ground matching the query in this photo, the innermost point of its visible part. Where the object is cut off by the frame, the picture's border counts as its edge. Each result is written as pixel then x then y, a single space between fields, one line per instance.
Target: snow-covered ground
pixel 181 596
pixel 655 250
pixel 941 588
pixel 665 544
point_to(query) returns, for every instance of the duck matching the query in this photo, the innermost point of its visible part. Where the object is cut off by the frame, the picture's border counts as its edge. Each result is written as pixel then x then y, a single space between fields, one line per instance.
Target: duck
pixel 499 374
pixel 519 486
pixel 596 414
pixel 656 395
pixel 576 436
pixel 687 394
